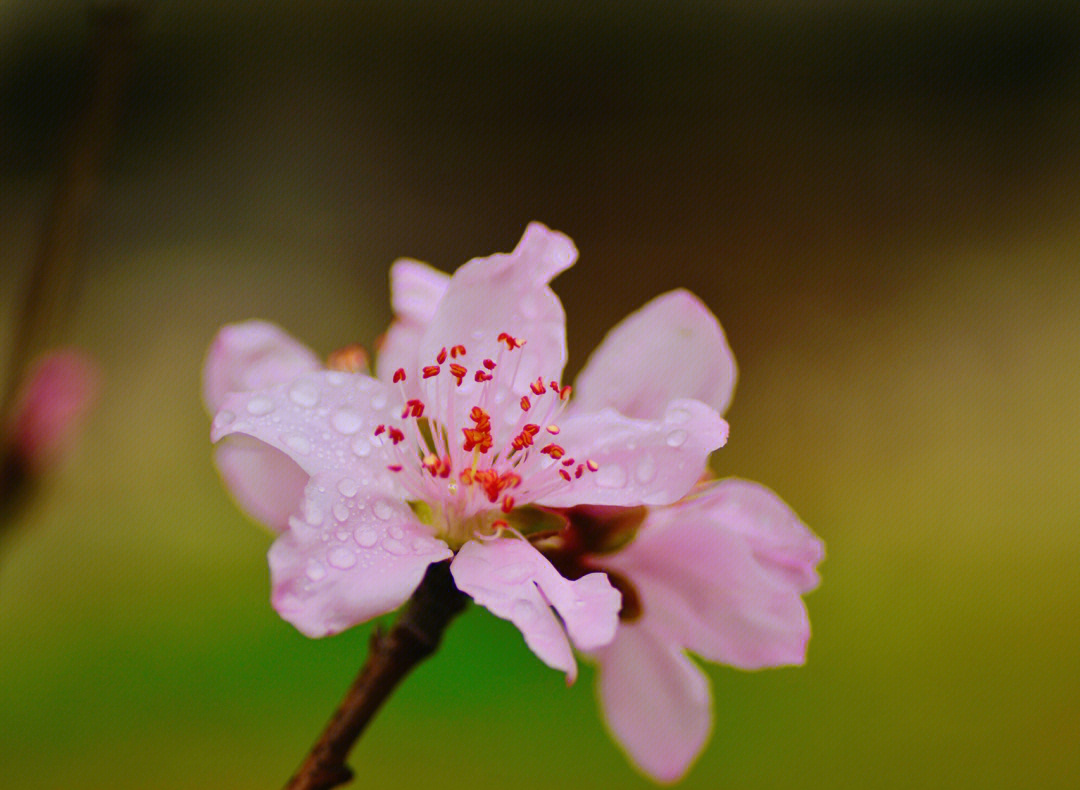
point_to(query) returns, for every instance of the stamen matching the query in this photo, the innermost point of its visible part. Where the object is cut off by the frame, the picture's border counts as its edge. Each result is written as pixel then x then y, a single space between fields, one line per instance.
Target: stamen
pixel 489 364
pixel 399 375
pixel 564 475
pixel 593 466
pixel 441 358
pixel 481 376
pixel 457 351
pixel 553 429
pixel 458 372
pixel 538 386
pixel 395 467
pixel 564 393
pixel 432 370
pixel 507 503
pixel 526 404
pixel 553 450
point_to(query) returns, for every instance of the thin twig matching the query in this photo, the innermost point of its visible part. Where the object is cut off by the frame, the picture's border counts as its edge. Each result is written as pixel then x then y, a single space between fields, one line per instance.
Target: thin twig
pixel 414 637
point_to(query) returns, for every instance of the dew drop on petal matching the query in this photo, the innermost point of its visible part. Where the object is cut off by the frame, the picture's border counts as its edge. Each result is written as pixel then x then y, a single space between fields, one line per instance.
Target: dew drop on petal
pixel 346 421
pixel 514 573
pixel 382 510
pixel 366 537
pixel 298 443
pixel 378 401
pixel 347 487
pixel 315 570
pixel 611 476
pixel 361 447
pixel 645 470
pixel 304 393
pixel 396 532
pixel 341 558
pixel 341 512
pixel 677 438
pixel 395 546
pixel 260 406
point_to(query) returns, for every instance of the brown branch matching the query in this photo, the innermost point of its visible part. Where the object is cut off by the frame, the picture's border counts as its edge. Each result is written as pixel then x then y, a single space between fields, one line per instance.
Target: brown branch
pixel 392 655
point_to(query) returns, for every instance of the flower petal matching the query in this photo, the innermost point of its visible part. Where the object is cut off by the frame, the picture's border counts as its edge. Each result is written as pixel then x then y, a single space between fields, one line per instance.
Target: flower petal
pixel 252 355
pixel 516 582
pixel 266 483
pixel 673 347
pixel 640 462
pixel 354 554
pixel 507 293
pixel 415 292
pixel 655 700
pixel 702 584
pixel 323 421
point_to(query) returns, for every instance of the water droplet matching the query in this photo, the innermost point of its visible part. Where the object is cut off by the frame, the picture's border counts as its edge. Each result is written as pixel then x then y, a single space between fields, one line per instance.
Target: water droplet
pixel 378 401
pixel 298 443
pixel 366 537
pixel 645 470
pixel 396 532
pixel 611 476
pixel 361 447
pixel 226 417
pixel 346 421
pixel 678 416
pixel 395 546
pixel 514 573
pixel 304 393
pixel 341 558
pixel 341 512
pixel 382 510
pixel 260 406
pixel 524 611
pixel 347 487
pixel 677 438
pixel 315 570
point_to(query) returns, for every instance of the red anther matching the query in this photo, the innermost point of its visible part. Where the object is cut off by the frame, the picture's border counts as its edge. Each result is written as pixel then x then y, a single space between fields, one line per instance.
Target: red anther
pixel 538 386
pixel 441 358
pixel 457 351
pixel 399 375
pixel 512 479
pixel 489 364
pixel 511 341
pixel 526 404
pixel 379 429
pixel 396 436
pixel 418 410
pixel 431 370
pixel 481 376
pixel 431 463
pixel 564 475
pixel 580 470
pixel 499 524
pixel 553 429
pixel 553 450
pixel 353 358
pixel 531 429
pixel 507 504
pixel 476 414
pixel 568 462
pixel 466 476
pixel 458 372
pixel 395 467
pixel 564 393
pixel 593 466
pixel 554 385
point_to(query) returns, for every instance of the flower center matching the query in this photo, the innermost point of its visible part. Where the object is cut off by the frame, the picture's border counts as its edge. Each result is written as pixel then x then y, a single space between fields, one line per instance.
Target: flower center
pixel 473 448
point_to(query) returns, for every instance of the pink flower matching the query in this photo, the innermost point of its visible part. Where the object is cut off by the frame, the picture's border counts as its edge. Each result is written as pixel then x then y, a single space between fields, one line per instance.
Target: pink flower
pixel 59 392
pixel 719 573
pixel 450 452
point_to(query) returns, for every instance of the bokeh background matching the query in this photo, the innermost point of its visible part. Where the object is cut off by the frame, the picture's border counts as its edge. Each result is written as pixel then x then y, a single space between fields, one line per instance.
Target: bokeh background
pixel 881 202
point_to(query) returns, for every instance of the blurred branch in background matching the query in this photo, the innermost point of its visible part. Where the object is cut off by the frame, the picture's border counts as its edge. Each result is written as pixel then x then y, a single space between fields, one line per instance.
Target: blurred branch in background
pixel 43 403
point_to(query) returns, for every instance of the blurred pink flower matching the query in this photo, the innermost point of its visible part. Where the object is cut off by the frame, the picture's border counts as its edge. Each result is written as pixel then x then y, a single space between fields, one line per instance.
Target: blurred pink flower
pixel 369 480
pixel 59 391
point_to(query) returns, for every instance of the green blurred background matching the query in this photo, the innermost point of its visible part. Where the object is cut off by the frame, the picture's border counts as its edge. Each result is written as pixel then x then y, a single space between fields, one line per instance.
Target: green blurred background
pixel 881 202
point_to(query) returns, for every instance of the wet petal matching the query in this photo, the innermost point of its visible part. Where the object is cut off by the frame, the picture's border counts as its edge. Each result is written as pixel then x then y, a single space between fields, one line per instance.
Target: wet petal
pixel 252 355
pixel 673 347
pixel 655 701
pixel 324 421
pixel 416 290
pixel 516 582
pixel 640 462
pixel 701 583
pixel 507 293
pixel 266 483
pixel 352 554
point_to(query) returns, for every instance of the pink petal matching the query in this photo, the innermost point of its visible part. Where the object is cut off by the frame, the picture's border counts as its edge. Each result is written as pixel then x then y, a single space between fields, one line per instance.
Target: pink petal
pixel 250 356
pixel 703 586
pixel 516 582
pixel 352 554
pixel 324 421
pixel 416 290
pixel 673 347
pixel 655 701
pixel 507 293
pixel 266 483
pixel 59 391
pixel 650 462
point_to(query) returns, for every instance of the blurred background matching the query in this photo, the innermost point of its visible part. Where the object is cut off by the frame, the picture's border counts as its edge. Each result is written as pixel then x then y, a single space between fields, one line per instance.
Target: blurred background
pixel 881 203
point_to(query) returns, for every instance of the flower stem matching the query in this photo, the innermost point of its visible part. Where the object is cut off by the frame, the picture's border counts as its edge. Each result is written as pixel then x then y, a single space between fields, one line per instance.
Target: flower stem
pixel 415 636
